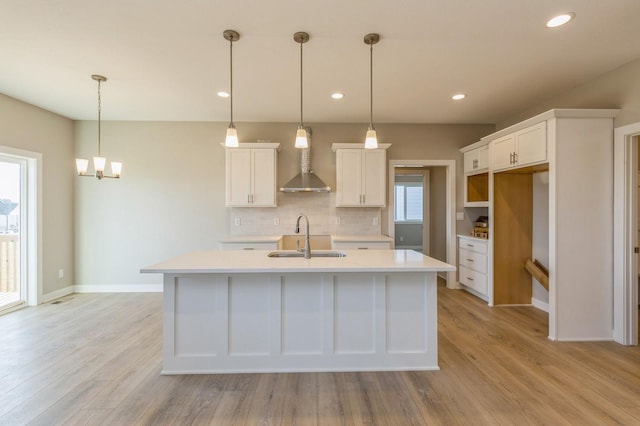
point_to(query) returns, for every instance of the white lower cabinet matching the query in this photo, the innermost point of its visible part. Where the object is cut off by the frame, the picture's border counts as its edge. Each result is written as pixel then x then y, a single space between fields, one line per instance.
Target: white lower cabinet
pixel 373 245
pixel 248 246
pixel 472 265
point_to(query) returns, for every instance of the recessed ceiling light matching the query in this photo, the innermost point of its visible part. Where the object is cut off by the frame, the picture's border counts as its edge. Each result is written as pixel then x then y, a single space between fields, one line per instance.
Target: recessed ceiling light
pixel 559 20
pixel 223 94
pixel 337 95
pixel 458 96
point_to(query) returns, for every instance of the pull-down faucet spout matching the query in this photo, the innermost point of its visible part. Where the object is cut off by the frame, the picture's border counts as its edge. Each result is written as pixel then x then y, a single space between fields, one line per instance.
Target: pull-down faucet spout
pixel 307 246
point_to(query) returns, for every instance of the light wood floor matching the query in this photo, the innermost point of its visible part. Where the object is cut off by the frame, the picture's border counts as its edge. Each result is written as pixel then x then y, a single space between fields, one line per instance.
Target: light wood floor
pixel 95 359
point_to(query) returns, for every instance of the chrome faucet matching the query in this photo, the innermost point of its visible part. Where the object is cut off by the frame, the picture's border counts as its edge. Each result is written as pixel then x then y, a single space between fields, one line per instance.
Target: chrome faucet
pixel 307 246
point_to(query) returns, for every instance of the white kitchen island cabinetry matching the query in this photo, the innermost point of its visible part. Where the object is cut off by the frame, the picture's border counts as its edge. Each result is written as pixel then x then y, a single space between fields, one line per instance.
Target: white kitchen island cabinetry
pixel 251 175
pixel 241 311
pixel 360 175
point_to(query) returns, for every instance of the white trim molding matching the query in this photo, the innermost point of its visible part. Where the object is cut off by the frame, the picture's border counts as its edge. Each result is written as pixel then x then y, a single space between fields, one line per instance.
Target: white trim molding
pixel 625 292
pixel 118 288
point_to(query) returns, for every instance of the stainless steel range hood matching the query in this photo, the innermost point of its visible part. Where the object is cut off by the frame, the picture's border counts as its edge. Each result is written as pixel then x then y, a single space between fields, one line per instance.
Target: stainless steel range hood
pixel 306 180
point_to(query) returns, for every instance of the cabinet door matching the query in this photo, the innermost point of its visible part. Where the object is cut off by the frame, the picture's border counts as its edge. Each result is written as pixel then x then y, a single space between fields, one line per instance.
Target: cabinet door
pixel 470 159
pixel 238 177
pixel 348 177
pixel 483 158
pixel 531 144
pixel 263 178
pixel 502 152
pixel 373 177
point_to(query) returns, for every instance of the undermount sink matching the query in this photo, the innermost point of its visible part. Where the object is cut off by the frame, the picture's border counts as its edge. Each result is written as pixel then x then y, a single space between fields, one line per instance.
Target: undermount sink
pixel 316 253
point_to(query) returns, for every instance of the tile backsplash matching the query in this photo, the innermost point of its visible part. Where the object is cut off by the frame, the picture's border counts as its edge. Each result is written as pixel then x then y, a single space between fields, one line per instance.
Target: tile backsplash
pixel 324 217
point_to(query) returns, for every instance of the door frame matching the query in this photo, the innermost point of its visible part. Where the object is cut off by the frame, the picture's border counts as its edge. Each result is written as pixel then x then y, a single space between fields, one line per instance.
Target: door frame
pixel 450 169
pixel 32 219
pixel 625 274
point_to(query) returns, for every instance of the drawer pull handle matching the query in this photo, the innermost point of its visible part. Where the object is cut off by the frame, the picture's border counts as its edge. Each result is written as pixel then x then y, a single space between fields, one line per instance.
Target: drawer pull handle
pixel 470 279
pixel 363 248
pixel 247 248
pixel 470 245
pixel 470 260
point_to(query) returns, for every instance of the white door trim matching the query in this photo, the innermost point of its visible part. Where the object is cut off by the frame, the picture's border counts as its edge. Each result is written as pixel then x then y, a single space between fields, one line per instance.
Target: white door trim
pixel 625 287
pixel 450 166
pixel 33 220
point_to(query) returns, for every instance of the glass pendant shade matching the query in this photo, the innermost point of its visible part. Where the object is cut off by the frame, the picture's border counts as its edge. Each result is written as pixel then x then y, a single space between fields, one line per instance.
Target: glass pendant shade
pixel 232 137
pixel 371 141
pixel 116 168
pixel 301 138
pixel 99 163
pixel 82 165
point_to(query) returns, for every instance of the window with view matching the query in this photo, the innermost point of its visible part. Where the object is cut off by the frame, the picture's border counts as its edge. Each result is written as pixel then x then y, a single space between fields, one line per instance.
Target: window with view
pixel 408 202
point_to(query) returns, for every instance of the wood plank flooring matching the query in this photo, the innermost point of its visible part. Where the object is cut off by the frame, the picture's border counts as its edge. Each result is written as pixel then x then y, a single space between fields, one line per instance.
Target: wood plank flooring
pixel 96 359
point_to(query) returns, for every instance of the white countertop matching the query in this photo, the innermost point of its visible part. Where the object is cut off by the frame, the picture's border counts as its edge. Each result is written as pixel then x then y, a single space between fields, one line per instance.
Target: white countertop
pixel 257 261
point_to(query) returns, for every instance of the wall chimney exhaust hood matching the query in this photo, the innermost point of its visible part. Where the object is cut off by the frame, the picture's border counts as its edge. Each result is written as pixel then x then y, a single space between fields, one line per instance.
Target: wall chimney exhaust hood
pixel 306 180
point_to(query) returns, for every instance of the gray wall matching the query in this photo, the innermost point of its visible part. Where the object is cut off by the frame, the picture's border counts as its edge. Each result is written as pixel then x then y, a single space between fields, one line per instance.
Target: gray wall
pixel 170 199
pixel 30 128
pixel 619 88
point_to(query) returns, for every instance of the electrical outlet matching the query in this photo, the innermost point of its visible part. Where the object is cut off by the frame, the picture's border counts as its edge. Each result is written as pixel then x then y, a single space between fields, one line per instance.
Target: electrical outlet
pixel 375 221
pixel 60 273
pixel 276 221
pixel 337 220
pixel 236 221
pixel 459 215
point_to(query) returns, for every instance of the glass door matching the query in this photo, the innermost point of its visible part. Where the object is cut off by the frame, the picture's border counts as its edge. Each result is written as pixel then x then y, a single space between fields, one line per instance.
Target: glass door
pixel 12 178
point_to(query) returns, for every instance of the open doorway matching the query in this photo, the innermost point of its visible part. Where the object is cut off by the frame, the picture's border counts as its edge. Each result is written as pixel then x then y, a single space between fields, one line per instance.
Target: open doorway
pixel 441 230
pixel 411 209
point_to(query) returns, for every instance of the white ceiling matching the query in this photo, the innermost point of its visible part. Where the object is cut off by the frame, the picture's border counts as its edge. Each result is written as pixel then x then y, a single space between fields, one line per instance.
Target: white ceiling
pixel 166 59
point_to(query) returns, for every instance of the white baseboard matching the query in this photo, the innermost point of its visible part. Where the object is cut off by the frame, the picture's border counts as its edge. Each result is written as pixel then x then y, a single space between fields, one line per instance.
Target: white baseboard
pixel 46 298
pixel 118 288
pixel 540 304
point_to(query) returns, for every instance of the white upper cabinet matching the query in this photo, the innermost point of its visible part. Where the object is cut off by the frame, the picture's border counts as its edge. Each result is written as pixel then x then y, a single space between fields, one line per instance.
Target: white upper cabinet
pixel 360 175
pixel 522 148
pixel 251 176
pixel 476 160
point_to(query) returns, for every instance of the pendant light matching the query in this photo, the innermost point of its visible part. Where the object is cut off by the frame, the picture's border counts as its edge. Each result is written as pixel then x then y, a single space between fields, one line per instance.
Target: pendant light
pixel 371 140
pixel 302 141
pixel 98 162
pixel 231 140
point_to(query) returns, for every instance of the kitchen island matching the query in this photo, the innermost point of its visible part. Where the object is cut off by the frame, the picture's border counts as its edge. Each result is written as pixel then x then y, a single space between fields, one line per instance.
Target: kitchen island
pixel 242 311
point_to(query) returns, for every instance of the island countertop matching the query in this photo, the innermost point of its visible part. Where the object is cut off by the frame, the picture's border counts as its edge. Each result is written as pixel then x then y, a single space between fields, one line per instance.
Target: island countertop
pixel 257 261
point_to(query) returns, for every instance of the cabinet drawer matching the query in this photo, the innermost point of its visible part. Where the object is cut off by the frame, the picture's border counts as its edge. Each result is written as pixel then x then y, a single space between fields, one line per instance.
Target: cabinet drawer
pixel 473 260
pixel 473 245
pixel 473 279
pixel 373 245
pixel 248 246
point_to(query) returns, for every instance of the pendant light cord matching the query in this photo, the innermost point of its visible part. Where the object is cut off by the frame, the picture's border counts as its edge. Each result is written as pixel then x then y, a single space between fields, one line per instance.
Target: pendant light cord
pixel 231 77
pixel 371 84
pixel 99 118
pixel 301 84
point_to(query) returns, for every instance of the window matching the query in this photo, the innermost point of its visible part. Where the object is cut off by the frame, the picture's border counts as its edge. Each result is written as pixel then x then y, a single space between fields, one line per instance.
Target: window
pixel 408 201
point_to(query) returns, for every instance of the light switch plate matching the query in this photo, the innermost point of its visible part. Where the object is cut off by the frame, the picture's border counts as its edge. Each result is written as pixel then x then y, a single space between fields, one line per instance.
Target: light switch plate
pixel 459 215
